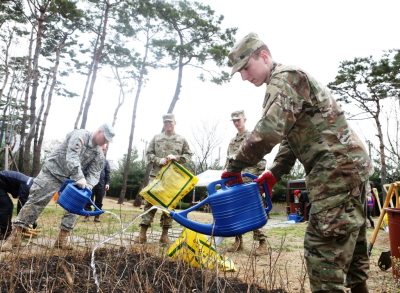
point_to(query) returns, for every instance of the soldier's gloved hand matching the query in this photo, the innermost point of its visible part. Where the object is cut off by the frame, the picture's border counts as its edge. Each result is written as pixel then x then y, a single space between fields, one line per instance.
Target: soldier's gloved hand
pixel 238 177
pixel 163 162
pixel 268 178
pixel 171 157
pixel 107 187
pixel 81 183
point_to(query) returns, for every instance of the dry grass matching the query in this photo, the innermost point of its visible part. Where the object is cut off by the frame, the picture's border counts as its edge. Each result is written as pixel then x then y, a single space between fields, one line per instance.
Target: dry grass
pixel 123 266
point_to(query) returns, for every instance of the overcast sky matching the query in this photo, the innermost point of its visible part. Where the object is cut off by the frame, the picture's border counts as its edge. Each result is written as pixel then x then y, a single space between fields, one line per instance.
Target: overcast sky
pixel 314 35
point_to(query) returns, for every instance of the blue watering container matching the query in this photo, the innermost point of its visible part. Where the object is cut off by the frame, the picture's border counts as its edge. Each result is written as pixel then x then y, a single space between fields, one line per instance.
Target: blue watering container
pixel 295 217
pixel 236 209
pixel 74 199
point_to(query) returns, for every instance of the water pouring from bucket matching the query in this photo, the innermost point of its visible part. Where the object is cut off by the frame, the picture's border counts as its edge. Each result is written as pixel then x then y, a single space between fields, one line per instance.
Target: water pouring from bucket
pixel 236 209
pixel 74 199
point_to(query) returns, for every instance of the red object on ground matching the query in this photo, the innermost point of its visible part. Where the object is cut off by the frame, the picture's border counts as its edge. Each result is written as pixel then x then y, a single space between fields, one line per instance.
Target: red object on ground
pixel 394 238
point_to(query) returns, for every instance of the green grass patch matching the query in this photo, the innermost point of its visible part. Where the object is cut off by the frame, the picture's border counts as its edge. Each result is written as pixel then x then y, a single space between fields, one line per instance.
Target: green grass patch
pixel 297 230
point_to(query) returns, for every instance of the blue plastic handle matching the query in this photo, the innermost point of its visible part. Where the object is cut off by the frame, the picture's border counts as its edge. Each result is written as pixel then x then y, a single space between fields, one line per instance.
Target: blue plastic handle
pixel 211 186
pixel 82 212
pixel 210 229
pixel 66 182
pixel 96 212
pixel 211 189
pixel 266 190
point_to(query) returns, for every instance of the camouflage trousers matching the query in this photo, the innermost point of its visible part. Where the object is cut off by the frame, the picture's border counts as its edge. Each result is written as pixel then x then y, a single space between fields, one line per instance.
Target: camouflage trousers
pixel 41 193
pixel 258 235
pixel 335 245
pixel 147 219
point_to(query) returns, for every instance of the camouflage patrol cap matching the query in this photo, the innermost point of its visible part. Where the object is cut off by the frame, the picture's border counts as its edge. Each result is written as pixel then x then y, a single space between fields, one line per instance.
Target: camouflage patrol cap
pixel 237 115
pixel 168 117
pixel 241 52
pixel 108 131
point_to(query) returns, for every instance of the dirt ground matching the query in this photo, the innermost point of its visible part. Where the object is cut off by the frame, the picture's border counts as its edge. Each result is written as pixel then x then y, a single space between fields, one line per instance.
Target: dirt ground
pixel 290 262
pixel 118 270
pixel 285 258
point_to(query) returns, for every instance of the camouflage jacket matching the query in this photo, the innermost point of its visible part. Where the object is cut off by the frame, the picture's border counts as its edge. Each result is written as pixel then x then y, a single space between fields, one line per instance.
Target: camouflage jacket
pixel 76 151
pixel 303 116
pixel 163 145
pixel 233 147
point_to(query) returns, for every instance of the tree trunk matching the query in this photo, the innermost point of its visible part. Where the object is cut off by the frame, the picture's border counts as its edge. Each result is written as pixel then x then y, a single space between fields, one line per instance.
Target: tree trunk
pixel 83 96
pixel 96 66
pixel 382 155
pixel 5 68
pixel 145 182
pixel 128 157
pixel 35 85
pixel 129 154
pixel 9 128
pixel 6 105
pixel 178 87
pixel 25 106
pixel 87 80
pixel 121 99
pixel 38 149
pixel 180 74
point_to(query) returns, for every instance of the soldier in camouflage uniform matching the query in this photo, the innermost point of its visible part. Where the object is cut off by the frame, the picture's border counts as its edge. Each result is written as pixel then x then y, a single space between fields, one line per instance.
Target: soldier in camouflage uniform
pixel 239 121
pixel 302 115
pixel 164 147
pixel 79 148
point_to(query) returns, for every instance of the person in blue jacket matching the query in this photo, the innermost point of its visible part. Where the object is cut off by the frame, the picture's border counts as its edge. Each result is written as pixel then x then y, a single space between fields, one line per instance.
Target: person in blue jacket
pixel 17 185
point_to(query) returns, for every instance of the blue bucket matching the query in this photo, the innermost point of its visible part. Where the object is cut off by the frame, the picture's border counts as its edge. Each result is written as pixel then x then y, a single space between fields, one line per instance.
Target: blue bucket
pixel 74 199
pixel 295 217
pixel 236 209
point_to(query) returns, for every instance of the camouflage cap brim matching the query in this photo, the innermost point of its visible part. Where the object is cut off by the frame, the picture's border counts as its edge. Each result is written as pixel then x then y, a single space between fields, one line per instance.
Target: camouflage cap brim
pixel 168 117
pixel 108 137
pixel 108 132
pixel 239 65
pixel 237 115
pixel 241 52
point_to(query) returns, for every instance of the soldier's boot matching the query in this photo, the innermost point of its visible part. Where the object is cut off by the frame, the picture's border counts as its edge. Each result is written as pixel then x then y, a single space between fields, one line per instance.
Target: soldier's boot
pixel 360 288
pixel 13 240
pixel 86 219
pixel 142 238
pixel 237 245
pixel 97 218
pixel 62 242
pixel 164 239
pixel 262 249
